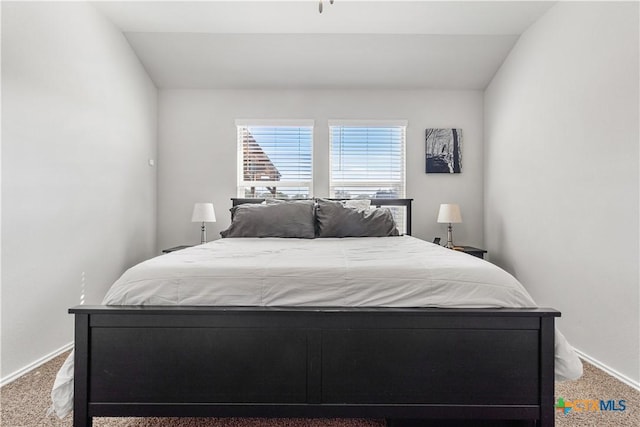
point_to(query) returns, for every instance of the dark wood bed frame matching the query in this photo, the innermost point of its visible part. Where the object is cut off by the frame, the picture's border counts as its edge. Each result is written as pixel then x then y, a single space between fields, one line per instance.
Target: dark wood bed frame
pixel 393 363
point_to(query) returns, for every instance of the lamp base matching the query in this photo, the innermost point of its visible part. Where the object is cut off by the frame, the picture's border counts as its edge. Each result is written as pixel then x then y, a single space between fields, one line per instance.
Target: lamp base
pixel 450 237
pixel 203 234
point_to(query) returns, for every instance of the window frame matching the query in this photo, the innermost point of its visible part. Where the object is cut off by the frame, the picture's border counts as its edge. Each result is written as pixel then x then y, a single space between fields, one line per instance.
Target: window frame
pixel 368 123
pixel 241 184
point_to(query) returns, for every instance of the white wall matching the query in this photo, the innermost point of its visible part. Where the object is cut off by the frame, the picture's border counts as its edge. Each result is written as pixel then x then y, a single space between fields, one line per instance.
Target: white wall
pixel 197 150
pixel 79 124
pixel 561 173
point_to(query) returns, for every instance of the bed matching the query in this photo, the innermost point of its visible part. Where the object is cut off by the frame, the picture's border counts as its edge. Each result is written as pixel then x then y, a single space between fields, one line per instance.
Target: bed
pixel 165 345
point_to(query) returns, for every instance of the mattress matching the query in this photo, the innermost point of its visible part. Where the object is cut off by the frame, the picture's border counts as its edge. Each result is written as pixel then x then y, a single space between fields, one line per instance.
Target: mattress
pixel 348 272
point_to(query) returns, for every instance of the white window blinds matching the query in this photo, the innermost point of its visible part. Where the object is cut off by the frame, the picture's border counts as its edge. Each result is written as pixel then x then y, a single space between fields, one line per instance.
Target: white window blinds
pixel 275 159
pixel 367 159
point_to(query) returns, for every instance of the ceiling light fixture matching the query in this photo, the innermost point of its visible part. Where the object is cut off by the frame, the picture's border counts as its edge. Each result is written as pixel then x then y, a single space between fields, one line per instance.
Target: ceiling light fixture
pixel 320 5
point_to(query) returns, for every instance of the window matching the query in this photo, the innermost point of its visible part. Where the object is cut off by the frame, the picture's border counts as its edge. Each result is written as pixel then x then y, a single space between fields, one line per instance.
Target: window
pixel 275 158
pixel 368 161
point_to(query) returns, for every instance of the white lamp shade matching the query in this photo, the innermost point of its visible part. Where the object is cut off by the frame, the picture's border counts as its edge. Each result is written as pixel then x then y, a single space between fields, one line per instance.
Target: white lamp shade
pixel 449 213
pixel 203 212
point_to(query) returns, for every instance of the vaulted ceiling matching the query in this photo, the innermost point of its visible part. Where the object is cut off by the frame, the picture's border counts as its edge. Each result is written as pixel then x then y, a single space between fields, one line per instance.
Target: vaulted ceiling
pixel 352 44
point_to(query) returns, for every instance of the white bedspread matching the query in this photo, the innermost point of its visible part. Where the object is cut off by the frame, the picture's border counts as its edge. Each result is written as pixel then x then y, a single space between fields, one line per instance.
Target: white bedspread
pixel 364 271
pixel 371 271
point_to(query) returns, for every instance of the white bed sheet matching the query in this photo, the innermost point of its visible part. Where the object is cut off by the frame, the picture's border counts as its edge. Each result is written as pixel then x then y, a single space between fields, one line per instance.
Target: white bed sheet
pixel 348 272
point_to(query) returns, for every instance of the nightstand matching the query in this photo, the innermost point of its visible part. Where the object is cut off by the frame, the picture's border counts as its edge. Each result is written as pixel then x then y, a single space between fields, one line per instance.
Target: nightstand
pixel 175 248
pixel 477 252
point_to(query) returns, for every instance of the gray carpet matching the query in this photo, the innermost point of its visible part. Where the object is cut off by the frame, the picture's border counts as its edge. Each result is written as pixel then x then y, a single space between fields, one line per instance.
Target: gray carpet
pixel 24 403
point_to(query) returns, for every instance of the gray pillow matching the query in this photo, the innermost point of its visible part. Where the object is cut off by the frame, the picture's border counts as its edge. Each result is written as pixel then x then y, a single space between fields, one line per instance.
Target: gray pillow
pixel 290 219
pixel 336 220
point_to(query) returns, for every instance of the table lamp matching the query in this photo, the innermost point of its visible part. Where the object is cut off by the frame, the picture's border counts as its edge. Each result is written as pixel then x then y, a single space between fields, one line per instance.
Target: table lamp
pixel 203 212
pixel 449 213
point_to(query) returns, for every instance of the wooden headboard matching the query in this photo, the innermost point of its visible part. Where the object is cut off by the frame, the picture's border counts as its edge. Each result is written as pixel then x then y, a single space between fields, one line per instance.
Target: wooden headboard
pixel 374 202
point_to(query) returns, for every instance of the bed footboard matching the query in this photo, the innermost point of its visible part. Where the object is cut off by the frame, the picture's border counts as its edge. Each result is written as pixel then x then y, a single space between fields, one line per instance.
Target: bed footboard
pixel 306 362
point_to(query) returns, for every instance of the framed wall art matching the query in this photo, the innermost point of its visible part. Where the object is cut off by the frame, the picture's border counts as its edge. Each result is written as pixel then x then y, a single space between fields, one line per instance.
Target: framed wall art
pixel 443 149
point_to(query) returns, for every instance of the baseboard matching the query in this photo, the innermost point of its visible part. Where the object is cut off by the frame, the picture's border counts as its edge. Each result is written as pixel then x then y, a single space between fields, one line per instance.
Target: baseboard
pixel 20 372
pixel 617 375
